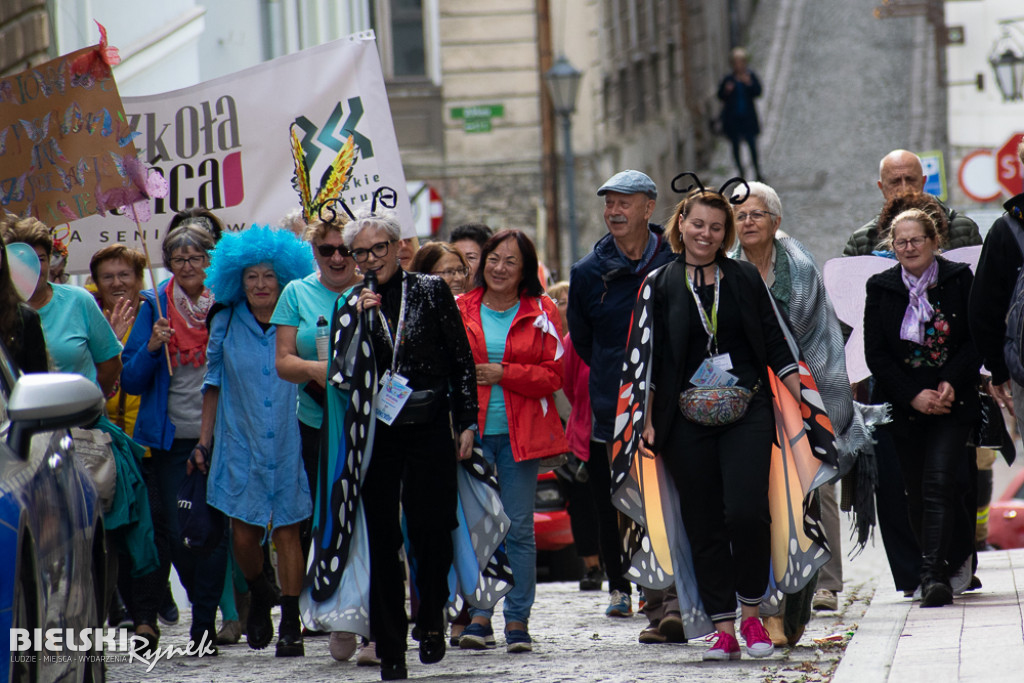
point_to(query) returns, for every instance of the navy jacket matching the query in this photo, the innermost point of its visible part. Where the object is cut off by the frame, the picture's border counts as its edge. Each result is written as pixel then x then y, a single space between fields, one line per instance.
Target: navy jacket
pixel 602 292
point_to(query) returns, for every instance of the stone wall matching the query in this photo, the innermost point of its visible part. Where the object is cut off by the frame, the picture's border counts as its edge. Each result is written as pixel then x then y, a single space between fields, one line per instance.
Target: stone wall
pixel 24 35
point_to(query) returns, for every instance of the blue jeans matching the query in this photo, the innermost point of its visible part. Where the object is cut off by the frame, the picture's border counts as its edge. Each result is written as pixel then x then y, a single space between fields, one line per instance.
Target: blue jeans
pixel 518 482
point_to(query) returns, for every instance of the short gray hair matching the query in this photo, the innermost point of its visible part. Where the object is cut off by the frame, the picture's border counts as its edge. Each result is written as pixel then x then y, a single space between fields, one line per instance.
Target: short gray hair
pixel 184 236
pixel 382 219
pixel 768 196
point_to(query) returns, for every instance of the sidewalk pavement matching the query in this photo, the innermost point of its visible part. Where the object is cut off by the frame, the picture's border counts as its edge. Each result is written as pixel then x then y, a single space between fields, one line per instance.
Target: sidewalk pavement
pixel 980 637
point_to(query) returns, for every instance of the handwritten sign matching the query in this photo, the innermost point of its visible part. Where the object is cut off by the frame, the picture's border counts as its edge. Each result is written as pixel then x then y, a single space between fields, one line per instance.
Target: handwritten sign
pixel 64 140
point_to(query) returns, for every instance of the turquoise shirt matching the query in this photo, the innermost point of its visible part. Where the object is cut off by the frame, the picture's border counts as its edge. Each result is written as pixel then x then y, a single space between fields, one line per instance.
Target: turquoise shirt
pixel 78 337
pixel 496 327
pixel 300 304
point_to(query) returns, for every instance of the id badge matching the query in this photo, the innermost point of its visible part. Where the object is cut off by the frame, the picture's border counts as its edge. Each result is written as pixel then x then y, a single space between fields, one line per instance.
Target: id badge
pixel 394 392
pixel 710 374
pixel 722 361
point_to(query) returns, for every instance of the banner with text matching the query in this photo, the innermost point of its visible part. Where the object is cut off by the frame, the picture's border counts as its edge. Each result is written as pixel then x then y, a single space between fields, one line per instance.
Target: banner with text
pixel 225 144
pixel 63 140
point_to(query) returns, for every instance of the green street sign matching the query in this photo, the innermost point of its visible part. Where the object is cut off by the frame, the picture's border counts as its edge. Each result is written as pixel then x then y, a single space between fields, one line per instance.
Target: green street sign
pixel 478 111
pixel 477 125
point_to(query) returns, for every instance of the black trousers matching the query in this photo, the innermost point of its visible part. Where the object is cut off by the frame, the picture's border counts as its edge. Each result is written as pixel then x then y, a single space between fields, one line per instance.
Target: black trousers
pixel 414 465
pixel 582 515
pixel 898 538
pixel 721 474
pixel 310 442
pixel 933 460
pixel 599 471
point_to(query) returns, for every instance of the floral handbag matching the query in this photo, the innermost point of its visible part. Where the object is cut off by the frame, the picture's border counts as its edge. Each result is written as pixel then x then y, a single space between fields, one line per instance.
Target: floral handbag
pixel 716 406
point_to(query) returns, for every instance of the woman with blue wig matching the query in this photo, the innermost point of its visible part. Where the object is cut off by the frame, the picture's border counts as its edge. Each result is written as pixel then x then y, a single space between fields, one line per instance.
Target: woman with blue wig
pixel 249 437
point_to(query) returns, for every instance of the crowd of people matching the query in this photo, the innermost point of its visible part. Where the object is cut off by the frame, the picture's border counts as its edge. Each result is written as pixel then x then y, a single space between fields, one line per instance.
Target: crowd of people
pixel 376 410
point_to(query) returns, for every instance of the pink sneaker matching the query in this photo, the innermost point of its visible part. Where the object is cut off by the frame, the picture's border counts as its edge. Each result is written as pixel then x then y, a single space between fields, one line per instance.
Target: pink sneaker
pixel 724 649
pixel 759 643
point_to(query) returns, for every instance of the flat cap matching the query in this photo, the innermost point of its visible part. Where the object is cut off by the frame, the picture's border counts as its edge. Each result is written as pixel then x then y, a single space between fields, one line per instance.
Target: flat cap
pixel 629 182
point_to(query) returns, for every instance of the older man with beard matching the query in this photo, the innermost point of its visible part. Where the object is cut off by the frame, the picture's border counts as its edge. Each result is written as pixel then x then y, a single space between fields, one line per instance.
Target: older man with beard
pixel 603 288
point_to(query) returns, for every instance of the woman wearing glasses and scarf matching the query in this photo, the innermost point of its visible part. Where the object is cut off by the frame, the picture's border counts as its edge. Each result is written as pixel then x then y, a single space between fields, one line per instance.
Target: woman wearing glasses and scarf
pixel 918 347
pixel 173 334
pixel 398 333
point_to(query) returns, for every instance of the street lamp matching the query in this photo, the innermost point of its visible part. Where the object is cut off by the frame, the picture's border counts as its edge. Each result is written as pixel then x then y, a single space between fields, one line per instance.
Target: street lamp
pixel 1007 61
pixel 563 82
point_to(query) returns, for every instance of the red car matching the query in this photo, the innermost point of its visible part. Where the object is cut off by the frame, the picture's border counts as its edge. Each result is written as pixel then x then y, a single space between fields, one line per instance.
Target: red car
pixel 550 514
pixel 556 554
pixel 1006 516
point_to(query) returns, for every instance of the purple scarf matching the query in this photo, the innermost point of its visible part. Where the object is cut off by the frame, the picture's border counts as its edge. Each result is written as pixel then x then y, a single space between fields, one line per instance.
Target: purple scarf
pixel 919 311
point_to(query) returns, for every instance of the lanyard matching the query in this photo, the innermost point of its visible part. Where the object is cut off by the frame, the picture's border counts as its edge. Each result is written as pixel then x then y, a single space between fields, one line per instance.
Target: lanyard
pixel 395 338
pixel 710 324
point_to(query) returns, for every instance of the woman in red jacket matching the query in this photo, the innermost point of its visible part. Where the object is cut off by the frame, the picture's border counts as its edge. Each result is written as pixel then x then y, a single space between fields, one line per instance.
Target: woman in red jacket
pixel 513 329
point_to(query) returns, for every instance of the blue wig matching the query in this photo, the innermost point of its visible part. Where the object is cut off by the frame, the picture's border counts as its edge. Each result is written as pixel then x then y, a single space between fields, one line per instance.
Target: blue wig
pixel 290 257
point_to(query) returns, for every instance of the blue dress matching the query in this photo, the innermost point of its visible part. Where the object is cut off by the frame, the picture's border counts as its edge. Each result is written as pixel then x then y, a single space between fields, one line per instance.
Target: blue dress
pixel 257 474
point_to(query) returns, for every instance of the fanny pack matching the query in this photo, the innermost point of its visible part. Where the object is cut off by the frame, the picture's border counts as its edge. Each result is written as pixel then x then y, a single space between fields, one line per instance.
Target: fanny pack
pixel 420 408
pixel 716 406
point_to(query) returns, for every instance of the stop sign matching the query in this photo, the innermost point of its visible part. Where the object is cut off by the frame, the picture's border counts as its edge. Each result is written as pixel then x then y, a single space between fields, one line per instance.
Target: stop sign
pixel 1008 166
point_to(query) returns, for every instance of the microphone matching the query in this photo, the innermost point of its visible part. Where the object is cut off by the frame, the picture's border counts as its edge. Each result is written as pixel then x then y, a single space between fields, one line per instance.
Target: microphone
pixel 370 282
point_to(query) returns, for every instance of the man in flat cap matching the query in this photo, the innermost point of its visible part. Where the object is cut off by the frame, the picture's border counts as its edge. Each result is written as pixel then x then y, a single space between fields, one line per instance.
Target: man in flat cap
pixel 603 287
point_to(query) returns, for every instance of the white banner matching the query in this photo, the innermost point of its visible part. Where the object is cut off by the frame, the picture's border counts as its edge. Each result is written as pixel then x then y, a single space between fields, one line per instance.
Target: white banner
pixel 225 144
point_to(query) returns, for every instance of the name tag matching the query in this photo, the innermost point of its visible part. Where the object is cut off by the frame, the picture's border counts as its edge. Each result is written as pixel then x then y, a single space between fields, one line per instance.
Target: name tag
pixel 709 375
pixel 394 392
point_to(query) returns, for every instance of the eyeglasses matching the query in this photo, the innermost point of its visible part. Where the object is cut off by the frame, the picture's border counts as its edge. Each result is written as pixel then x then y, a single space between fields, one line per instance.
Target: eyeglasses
pixel 194 261
pixel 452 272
pixel 327 250
pixel 124 275
pixel 379 250
pixel 755 215
pixel 900 245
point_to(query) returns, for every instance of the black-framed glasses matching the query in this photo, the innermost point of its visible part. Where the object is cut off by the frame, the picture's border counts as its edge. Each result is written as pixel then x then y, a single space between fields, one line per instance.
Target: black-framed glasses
pixel 379 250
pixel 179 262
pixel 900 245
pixel 327 250
pixel 452 272
pixel 757 215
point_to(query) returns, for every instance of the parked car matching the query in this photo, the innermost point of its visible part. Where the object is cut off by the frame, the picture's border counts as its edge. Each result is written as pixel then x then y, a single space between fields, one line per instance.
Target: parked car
pixel 1006 516
pixel 52 559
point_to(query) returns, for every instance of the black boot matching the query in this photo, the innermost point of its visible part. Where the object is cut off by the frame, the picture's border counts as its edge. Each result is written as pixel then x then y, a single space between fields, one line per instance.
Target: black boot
pixel 259 629
pixel 393 670
pixel 289 632
pixel 203 639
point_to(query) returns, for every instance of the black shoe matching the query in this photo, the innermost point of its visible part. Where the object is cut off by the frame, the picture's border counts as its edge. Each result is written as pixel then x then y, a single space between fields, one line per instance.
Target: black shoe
pixel 592 579
pixel 936 594
pixel 259 629
pixel 432 646
pixel 393 671
pixel 151 634
pixel 167 613
pixel 117 615
pixel 974 585
pixel 289 643
pixel 203 640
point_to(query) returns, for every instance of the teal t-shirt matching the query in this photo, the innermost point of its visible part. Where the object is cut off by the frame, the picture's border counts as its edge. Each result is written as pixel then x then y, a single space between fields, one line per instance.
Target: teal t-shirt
pixel 300 304
pixel 78 337
pixel 496 327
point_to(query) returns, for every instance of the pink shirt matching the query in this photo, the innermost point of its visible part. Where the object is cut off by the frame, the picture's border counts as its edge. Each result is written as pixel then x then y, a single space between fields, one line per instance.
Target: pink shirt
pixel 577 390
